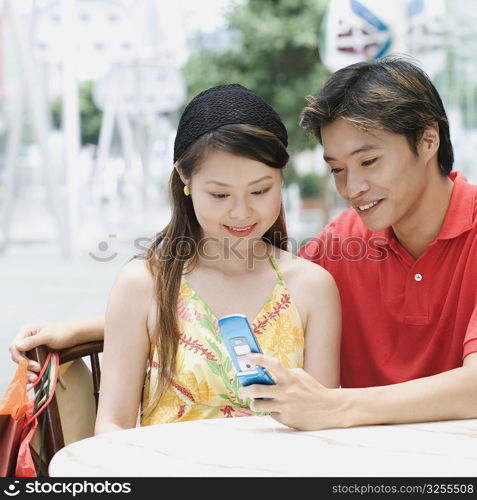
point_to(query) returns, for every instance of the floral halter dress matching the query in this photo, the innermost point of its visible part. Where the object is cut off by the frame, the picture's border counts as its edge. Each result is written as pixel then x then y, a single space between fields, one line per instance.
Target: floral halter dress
pixel 205 383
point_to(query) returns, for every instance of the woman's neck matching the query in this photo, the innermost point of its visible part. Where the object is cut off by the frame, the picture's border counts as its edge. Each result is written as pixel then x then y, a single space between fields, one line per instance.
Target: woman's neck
pixel 233 260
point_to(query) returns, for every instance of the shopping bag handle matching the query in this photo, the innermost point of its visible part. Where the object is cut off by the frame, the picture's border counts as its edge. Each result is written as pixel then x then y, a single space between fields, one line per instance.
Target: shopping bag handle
pixel 54 378
pixel 42 371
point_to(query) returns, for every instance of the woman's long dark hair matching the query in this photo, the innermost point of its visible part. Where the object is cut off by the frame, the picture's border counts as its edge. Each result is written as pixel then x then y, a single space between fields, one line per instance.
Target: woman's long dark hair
pixel 177 244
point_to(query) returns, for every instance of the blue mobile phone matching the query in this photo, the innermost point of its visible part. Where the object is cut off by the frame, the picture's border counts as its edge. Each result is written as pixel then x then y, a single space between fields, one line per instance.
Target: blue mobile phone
pixel 240 340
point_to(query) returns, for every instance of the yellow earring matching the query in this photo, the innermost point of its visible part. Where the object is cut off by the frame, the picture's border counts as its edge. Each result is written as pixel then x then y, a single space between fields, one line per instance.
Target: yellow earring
pixel 186 190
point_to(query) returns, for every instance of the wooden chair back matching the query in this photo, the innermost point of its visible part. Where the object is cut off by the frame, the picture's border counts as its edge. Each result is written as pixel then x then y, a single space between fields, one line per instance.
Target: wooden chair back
pixel 54 426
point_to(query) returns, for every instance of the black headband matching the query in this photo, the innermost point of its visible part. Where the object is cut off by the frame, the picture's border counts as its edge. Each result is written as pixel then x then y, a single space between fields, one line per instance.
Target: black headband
pixel 225 105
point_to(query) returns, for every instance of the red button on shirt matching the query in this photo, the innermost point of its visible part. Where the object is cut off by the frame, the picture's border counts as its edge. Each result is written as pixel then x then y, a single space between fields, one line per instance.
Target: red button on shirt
pixel 403 318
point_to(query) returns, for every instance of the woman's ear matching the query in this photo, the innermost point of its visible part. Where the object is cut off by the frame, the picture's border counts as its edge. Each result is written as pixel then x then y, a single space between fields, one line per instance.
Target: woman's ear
pixel 181 175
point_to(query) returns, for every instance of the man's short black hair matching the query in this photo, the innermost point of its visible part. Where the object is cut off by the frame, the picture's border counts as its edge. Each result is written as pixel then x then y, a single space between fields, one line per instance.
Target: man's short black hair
pixel 391 94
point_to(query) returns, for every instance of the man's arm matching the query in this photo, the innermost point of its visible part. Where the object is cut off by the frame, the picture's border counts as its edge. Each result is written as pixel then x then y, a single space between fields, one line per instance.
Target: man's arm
pixel 56 335
pixel 299 401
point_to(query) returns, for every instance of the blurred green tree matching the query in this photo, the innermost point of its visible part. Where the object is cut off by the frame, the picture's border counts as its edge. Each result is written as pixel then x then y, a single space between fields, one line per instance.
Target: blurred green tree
pixel 90 114
pixel 310 185
pixel 272 48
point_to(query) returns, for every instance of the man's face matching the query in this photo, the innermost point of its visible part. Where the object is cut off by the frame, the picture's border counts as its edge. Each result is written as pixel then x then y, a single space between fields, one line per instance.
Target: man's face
pixel 377 174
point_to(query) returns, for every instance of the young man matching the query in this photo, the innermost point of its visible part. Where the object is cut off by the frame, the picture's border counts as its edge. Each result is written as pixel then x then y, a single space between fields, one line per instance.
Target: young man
pixel 404 257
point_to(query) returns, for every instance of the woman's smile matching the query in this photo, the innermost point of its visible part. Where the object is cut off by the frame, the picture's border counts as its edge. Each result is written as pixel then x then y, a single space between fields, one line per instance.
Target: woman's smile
pixel 241 231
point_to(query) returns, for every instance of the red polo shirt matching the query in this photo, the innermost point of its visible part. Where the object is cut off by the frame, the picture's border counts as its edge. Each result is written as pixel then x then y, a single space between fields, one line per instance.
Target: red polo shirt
pixel 403 318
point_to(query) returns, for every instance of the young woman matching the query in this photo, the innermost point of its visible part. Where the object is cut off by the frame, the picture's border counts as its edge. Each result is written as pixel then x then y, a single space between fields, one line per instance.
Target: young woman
pixel 223 252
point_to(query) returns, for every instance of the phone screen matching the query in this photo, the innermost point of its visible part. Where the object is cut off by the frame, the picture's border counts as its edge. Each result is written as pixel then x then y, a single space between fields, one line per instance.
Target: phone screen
pixel 241 349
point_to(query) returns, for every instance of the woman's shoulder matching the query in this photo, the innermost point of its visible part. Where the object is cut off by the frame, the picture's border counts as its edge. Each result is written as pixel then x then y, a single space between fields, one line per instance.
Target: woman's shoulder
pixel 135 277
pixel 301 271
pixel 306 282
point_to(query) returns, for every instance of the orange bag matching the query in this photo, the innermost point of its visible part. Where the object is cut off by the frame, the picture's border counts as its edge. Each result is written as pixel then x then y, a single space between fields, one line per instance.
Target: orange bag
pixel 13 407
pixel 20 417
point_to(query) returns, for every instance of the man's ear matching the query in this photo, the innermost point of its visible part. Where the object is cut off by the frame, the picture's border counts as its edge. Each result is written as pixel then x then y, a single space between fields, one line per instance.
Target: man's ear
pixel 430 141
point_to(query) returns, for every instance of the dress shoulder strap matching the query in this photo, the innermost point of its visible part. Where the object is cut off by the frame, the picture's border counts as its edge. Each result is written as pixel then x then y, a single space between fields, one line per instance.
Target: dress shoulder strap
pixel 275 266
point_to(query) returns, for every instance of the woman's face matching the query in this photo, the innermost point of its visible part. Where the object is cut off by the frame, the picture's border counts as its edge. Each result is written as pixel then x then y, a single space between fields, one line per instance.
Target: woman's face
pixel 236 199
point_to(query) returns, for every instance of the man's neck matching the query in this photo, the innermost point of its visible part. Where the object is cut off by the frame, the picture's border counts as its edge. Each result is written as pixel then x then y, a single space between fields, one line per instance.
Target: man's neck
pixel 420 230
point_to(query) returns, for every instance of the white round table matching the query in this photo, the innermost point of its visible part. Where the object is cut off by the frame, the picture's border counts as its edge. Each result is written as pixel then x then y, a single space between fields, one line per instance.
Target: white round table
pixel 260 446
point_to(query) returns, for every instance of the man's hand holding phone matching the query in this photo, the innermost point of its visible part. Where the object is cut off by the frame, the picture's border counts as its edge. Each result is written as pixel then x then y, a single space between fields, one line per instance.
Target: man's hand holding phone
pixel 297 399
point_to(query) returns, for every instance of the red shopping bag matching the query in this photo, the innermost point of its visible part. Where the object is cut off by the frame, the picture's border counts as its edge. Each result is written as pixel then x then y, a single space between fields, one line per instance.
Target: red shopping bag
pixel 20 415
pixel 13 407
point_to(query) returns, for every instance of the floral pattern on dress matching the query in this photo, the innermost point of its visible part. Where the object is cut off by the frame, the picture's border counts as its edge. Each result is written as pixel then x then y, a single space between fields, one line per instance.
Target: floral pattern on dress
pixel 205 384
